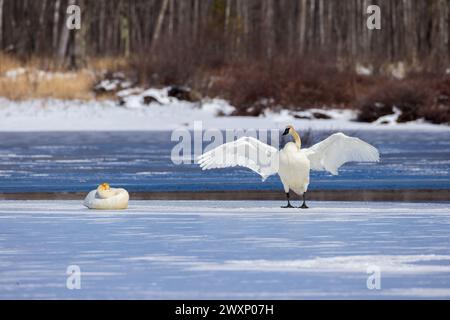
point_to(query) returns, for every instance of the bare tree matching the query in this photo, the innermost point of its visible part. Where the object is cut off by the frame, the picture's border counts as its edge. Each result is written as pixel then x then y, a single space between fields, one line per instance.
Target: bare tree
pixel 302 25
pixel 414 31
pixel 268 23
pixel 1 24
pixel 171 17
pixel 227 16
pixel 56 24
pixel 64 40
pixel 159 22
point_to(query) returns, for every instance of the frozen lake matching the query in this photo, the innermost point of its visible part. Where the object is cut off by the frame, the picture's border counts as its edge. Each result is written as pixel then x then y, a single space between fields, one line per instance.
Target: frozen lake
pixel 140 161
pixel 231 249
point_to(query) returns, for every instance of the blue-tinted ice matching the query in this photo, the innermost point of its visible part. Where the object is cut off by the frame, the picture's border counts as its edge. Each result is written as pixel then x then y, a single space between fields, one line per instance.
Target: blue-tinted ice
pixel 140 161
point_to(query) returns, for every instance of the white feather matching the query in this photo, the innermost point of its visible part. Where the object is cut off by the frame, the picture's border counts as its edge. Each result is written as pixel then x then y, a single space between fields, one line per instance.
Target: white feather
pixel 337 149
pixel 245 152
pixel 291 163
pixel 117 200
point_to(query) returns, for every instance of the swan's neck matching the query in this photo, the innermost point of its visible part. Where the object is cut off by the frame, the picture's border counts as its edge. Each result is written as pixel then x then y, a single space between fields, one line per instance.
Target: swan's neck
pixel 298 141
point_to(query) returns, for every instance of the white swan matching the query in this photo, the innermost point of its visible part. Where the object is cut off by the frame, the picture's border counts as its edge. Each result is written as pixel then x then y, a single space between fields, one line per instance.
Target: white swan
pixel 107 198
pixel 291 163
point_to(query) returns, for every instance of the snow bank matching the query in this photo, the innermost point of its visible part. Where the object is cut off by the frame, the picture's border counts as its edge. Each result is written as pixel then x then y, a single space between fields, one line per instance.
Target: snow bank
pixel 154 109
pixel 74 115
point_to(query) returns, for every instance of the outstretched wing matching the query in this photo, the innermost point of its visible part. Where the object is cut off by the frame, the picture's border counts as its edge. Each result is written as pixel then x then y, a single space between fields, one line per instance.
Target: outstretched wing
pixel 245 152
pixel 338 149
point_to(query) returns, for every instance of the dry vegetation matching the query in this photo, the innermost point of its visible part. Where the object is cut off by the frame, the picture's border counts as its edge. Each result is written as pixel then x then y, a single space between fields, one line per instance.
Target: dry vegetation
pixel 27 80
pixel 251 85
pixel 76 86
pixel 418 96
pixel 300 83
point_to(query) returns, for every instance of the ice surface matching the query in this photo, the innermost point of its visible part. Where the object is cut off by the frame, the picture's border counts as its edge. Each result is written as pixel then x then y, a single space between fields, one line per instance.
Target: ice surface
pixel 225 249
pixel 141 161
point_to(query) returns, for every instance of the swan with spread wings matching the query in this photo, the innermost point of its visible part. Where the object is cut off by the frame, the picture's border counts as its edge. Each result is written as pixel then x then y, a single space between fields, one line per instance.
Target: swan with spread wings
pixel 292 163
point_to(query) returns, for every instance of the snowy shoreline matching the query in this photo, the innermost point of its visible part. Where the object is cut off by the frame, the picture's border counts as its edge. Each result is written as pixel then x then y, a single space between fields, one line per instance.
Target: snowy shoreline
pixel 108 115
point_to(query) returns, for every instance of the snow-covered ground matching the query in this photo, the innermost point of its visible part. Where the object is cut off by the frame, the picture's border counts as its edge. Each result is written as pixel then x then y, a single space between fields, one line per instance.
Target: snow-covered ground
pixel 213 249
pixel 169 114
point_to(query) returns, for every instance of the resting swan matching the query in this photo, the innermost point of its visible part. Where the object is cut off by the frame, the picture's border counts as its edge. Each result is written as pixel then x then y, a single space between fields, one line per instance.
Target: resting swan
pixel 291 163
pixel 107 198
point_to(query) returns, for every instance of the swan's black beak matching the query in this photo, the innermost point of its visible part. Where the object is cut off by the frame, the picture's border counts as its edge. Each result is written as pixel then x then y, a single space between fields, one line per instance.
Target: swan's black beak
pixel 286 132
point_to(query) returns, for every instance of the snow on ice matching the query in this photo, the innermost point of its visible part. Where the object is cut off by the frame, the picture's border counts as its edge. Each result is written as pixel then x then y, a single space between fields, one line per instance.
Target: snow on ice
pixel 225 249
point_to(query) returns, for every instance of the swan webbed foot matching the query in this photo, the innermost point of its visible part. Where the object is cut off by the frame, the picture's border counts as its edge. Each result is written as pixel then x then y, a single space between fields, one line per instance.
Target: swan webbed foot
pixel 289 205
pixel 304 206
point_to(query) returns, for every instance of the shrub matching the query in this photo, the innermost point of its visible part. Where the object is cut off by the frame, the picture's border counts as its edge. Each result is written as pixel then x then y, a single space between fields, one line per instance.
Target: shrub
pixel 408 97
pixel 286 82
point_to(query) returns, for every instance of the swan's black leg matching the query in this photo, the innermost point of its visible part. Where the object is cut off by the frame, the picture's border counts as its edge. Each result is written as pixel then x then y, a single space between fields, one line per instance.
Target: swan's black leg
pixel 288 204
pixel 304 206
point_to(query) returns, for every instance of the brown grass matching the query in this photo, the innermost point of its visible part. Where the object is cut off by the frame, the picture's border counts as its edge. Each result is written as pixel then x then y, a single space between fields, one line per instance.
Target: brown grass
pixel 62 85
pixel 8 62
pixel 77 86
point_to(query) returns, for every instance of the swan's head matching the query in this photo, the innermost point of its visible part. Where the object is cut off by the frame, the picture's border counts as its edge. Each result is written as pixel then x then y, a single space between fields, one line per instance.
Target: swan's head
pixel 289 130
pixel 104 190
pixel 104 186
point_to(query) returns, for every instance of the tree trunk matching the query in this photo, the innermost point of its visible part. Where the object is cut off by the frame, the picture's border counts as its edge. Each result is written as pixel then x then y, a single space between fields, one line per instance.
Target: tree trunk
pixel 41 31
pixel 55 24
pixel 101 26
pixel 443 31
pixel 136 27
pixel 312 25
pixel 159 23
pixel 171 17
pixel 302 25
pixel 195 19
pixel 269 27
pixel 227 16
pixel 1 24
pixel 64 40
pixel 321 23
